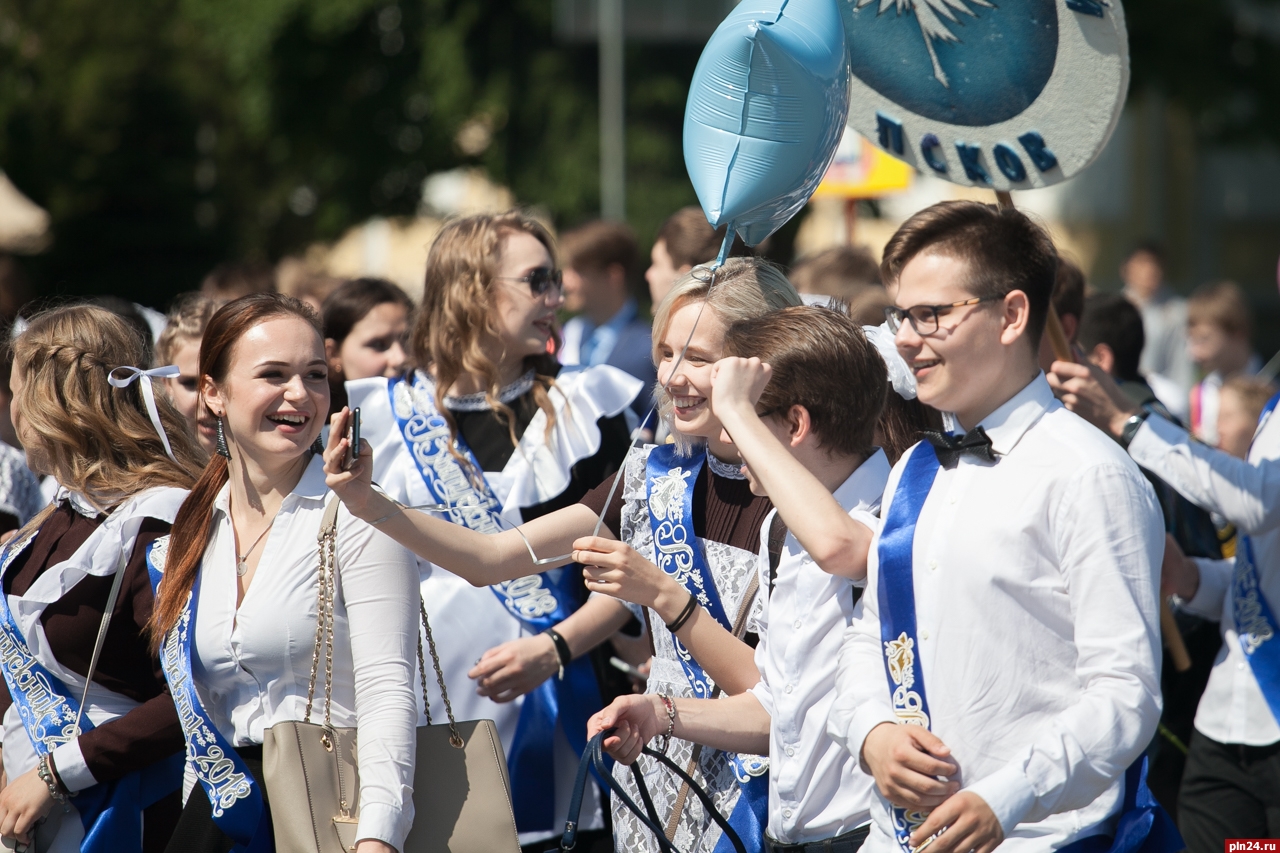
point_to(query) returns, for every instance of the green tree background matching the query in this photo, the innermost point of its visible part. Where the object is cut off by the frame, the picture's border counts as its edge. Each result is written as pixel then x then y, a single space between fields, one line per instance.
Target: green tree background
pixel 165 136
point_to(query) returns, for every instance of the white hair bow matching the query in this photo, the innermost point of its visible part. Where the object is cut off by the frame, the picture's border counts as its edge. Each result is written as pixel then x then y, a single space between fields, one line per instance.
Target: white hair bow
pixel 900 375
pixel 148 394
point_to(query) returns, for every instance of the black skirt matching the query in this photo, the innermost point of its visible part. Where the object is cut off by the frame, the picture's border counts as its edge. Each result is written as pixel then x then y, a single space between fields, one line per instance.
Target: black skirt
pixel 196 832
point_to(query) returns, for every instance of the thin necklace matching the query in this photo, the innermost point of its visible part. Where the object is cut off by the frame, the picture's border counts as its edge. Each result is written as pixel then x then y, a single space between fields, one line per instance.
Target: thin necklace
pixel 242 568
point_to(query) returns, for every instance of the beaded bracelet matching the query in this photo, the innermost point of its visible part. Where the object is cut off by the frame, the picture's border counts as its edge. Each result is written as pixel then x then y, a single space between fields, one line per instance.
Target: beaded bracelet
pixel 44 770
pixel 671 721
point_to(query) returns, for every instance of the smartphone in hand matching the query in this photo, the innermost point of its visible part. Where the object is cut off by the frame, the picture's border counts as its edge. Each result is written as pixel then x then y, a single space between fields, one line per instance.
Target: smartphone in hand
pixel 353 437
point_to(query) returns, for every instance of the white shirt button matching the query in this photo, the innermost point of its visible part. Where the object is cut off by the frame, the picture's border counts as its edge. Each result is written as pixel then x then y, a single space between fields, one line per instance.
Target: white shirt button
pixel 786 813
pixel 924 635
pixel 798 624
pixel 933 564
pixel 791 751
pixel 790 687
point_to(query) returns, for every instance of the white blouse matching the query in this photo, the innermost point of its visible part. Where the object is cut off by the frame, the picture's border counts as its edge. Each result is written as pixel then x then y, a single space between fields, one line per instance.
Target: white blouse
pixel 252 665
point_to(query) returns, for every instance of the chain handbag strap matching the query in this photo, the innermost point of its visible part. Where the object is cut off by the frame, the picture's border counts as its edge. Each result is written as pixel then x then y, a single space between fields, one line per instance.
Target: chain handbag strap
pixel 327 541
pixel 455 739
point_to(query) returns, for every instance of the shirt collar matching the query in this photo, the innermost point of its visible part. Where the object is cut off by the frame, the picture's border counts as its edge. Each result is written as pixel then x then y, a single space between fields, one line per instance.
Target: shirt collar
pixel 865 485
pixel 1007 424
pixel 78 502
pixel 311 487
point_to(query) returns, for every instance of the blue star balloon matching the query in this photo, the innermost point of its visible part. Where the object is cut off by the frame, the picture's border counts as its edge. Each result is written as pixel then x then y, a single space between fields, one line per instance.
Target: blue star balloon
pixel 767 106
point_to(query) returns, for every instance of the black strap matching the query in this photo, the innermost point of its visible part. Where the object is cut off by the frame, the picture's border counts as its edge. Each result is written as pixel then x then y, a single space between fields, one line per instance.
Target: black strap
pixel 777 538
pixel 593 756
pixel 702 795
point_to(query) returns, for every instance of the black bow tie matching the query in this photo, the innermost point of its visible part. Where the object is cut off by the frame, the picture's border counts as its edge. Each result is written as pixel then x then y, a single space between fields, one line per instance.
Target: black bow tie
pixel 950 448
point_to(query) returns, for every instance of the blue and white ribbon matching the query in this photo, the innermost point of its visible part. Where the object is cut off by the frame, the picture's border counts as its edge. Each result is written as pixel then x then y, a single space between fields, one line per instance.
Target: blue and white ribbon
pixel 897 600
pixel 1255 621
pixel 236 802
pixel 148 394
pixel 110 812
pixel 537 601
pixel 670 481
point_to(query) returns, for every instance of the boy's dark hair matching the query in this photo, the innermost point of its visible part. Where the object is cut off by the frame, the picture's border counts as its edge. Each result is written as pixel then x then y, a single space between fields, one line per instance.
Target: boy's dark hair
pixel 691 240
pixel 821 360
pixel 1068 289
pixel 1111 319
pixel 1004 251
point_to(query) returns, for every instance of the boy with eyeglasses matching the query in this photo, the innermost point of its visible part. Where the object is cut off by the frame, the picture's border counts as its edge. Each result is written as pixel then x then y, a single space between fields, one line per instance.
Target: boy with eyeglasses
pixel 1004 673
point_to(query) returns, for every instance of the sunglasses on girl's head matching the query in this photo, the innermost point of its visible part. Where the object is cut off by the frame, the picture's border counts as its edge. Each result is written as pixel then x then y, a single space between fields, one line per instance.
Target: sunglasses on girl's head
pixel 540 280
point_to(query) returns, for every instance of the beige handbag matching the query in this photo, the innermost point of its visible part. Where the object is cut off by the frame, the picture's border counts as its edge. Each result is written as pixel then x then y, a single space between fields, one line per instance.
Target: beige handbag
pixel 462 795
pixel 310 770
pixel 461 791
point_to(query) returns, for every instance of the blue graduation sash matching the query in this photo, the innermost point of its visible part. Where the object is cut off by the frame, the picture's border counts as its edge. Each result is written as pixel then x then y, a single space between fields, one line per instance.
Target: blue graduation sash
pixel 111 812
pixel 237 805
pixel 897 600
pixel 670 480
pixel 1255 622
pixel 1142 827
pixel 537 601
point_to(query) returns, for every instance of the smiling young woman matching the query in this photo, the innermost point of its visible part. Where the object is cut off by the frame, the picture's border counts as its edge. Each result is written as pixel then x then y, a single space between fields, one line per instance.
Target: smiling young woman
pixel 725 522
pixel 491 419
pixel 243 557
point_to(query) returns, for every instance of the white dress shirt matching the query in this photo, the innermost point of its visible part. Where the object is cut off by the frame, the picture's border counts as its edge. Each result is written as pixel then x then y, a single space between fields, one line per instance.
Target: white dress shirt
pixel 252 664
pixel 1232 708
pixel 816 789
pixel 1038 634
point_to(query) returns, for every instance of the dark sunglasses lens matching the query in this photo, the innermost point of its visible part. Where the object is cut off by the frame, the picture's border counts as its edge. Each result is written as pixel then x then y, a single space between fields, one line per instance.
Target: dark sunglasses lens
pixel 543 279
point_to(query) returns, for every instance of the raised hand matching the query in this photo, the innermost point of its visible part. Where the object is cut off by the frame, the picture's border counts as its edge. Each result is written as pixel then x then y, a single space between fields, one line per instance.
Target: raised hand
pixel 736 384
pixel 1093 395
pixel 354 485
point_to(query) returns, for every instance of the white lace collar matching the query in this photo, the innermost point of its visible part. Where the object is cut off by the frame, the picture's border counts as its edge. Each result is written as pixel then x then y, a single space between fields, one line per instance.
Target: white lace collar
pixel 728 470
pixel 478 402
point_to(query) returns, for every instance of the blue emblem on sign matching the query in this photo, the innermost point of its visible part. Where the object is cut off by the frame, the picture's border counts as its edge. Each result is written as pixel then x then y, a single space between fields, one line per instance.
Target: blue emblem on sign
pixel 964 62
pixel 1002 94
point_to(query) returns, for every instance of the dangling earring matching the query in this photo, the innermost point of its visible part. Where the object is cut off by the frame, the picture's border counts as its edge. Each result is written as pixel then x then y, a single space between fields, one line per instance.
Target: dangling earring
pixel 221 447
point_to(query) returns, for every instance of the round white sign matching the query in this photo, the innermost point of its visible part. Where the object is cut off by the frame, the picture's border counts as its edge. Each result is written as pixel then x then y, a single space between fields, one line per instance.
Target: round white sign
pixel 1005 94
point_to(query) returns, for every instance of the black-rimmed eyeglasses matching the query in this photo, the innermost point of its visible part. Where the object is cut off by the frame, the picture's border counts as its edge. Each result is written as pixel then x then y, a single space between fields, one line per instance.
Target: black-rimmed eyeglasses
pixel 924 318
pixel 540 280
